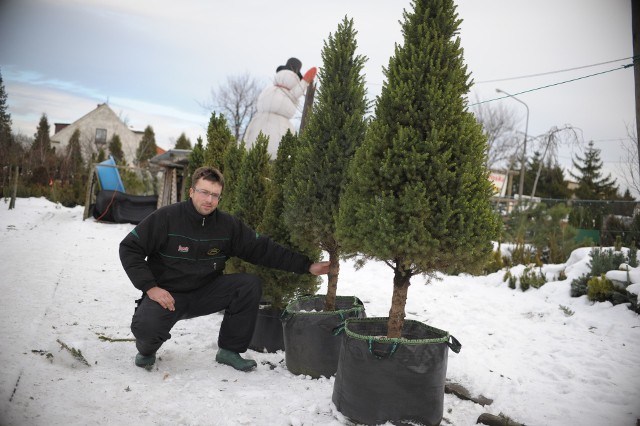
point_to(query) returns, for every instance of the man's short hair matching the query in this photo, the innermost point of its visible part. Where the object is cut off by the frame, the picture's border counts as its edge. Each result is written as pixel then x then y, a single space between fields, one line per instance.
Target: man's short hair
pixel 207 173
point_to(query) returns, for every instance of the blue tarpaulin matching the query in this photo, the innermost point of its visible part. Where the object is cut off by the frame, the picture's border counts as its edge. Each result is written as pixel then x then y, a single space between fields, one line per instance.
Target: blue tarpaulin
pixel 109 176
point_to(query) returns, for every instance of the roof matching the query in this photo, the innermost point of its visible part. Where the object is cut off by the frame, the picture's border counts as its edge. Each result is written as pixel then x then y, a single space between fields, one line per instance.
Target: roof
pixel 177 158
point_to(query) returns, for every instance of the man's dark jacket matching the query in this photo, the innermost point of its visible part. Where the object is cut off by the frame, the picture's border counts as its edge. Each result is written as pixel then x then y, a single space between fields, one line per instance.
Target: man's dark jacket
pixel 179 250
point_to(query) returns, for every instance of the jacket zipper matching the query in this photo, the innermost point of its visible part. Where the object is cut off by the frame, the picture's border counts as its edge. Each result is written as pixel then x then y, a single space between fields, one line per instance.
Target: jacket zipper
pixel 203 222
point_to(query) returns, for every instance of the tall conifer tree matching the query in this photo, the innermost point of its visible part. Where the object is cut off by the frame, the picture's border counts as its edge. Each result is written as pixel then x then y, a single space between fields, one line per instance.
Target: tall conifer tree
pixel 74 156
pixel 41 146
pixel 8 146
pixel 336 127
pixel 418 198
pixel 592 184
pixel 73 163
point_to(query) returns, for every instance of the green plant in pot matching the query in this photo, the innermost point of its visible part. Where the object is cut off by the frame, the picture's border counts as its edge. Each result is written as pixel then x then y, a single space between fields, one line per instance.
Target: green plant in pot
pixel 279 287
pixel 417 200
pixel 335 127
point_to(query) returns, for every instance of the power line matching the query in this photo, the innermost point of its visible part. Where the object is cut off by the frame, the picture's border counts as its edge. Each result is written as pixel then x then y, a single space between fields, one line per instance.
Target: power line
pixel 553 72
pixel 554 84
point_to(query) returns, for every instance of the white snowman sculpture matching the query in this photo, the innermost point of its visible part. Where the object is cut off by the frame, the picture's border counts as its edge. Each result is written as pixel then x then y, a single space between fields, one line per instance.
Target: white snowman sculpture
pixel 277 104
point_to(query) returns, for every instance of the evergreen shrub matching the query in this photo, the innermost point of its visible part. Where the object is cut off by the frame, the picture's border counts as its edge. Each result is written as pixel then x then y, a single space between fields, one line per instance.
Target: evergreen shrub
pixel 496 262
pixel 531 278
pixel 603 261
pixel 579 285
pixel 599 289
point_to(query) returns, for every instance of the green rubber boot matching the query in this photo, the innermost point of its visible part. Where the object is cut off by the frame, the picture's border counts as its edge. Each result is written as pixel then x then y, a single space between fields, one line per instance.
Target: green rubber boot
pixel 235 360
pixel 145 361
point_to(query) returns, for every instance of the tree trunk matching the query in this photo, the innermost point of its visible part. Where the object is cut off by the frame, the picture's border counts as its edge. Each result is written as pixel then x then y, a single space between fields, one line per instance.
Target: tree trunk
pixel 332 277
pixel 308 104
pixel 401 282
pixel 12 203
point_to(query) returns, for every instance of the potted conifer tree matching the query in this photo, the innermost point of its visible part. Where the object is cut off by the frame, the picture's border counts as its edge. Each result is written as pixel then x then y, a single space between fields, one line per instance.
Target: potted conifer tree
pixel 418 200
pixel 336 126
pixel 279 287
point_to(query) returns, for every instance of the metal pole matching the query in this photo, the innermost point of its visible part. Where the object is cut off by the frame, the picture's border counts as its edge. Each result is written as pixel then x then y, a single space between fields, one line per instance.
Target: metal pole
pixel 524 145
pixel 635 37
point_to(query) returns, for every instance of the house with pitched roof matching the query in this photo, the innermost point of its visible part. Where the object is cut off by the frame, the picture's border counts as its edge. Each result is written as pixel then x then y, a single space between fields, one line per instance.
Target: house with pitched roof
pixel 96 130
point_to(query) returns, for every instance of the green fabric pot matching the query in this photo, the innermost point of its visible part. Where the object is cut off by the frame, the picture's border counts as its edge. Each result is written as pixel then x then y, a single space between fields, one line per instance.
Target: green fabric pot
pixel 311 344
pixel 267 336
pixel 383 380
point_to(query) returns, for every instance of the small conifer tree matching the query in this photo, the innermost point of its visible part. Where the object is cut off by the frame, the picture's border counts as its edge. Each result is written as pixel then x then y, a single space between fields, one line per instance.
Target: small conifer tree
pixel 253 180
pixel 74 156
pixel 279 287
pixel 418 195
pixel 253 184
pixel 219 137
pixel 115 149
pixel 183 142
pixel 336 127
pixel 196 159
pixel 147 147
pixel 233 157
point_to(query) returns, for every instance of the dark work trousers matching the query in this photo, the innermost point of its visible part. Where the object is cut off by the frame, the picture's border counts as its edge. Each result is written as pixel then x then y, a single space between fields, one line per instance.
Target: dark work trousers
pixel 237 294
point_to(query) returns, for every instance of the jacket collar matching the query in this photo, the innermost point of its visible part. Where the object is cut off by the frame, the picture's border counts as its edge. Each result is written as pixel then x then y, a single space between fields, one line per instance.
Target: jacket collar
pixel 196 217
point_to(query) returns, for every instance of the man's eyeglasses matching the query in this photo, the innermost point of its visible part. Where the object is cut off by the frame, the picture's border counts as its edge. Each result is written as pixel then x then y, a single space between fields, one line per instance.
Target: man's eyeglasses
pixel 207 194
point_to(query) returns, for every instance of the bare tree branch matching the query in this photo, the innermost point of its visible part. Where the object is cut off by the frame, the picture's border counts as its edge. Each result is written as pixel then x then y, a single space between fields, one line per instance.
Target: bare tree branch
pixel 499 125
pixel 237 101
pixel 631 169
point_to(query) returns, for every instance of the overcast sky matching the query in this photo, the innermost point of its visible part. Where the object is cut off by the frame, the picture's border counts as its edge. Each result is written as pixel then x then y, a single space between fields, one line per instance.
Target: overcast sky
pixel 156 61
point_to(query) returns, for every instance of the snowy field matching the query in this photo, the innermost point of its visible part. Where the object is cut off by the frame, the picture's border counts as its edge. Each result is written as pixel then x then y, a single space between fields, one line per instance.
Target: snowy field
pixel 543 357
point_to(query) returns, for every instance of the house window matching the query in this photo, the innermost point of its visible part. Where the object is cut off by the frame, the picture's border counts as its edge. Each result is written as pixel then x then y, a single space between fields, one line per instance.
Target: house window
pixel 101 136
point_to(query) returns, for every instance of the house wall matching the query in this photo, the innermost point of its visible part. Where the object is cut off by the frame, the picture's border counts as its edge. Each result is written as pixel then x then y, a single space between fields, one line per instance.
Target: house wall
pixel 102 117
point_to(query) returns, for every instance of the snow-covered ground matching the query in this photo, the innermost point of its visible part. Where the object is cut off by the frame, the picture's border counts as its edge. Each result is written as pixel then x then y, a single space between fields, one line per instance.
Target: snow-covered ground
pixel 543 357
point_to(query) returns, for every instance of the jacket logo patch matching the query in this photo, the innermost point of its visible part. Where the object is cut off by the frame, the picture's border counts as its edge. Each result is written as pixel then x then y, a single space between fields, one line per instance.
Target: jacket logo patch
pixel 213 251
pixel 182 249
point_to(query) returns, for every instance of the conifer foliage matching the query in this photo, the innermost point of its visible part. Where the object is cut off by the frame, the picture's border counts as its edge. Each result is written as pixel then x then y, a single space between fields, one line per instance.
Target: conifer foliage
pixel 42 160
pixel 418 196
pixel 115 149
pixel 280 287
pixel 592 185
pixel 9 149
pixel 147 148
pixel 219 137
pixel 232 164
pixel 183 142
pixel 336 127
pixel 252 187
pixel 196 159
pixel 253 182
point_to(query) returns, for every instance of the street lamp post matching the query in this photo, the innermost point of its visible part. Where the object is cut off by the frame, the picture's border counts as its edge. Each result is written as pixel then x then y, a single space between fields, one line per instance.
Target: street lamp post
pixel 524 145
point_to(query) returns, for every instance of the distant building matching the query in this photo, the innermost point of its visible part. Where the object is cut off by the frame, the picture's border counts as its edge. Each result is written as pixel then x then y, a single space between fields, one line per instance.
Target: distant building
pixel 96 130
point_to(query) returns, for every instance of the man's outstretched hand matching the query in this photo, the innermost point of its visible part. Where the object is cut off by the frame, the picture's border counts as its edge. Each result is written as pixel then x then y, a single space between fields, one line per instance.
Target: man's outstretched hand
pixel 319 268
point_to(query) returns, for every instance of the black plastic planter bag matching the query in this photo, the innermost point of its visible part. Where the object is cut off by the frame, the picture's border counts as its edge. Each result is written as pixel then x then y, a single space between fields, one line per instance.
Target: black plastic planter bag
pixel 267 336
pixel 383 380
pixel 311 344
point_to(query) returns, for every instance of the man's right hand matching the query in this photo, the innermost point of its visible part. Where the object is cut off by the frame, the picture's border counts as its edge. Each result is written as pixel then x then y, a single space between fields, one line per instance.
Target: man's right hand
pixel 163 297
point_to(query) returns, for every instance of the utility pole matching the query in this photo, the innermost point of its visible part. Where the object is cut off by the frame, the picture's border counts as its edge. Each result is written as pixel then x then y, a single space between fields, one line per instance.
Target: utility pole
pixel 635 35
